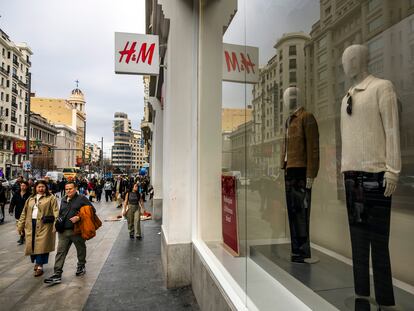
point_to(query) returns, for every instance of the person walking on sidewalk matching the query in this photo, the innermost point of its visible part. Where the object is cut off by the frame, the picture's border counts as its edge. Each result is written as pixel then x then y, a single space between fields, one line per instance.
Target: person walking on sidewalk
pixel 3 201
pixel 132 208
pixel 69 209
pixel 36 220
pixel 17 204
pixel 108 190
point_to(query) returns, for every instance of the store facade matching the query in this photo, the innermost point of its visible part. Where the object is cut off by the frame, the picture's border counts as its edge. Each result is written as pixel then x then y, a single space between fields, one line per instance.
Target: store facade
pixel 282 210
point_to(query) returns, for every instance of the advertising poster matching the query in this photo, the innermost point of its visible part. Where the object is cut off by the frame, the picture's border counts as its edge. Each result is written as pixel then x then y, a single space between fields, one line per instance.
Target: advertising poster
pixel 229 214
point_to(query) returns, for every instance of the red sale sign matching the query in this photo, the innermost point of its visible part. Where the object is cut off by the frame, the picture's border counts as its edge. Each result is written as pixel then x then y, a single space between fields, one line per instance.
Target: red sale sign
pixel 136 54
pixel 229 214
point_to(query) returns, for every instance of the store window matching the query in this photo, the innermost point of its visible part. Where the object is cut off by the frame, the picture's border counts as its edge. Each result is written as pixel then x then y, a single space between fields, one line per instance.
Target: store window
pixel 311 170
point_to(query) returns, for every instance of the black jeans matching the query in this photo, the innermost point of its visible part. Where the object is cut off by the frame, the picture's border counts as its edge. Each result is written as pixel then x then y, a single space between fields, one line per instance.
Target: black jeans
pixel 369 224
pixel 108 195
pixel 298 200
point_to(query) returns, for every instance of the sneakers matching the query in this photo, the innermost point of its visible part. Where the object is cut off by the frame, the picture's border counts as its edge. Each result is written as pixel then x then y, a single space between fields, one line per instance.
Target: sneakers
pixel 54 279
pixel 80 271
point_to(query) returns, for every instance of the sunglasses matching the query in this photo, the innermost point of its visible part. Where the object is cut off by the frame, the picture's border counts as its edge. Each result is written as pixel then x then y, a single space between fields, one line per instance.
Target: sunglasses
pixel 349 103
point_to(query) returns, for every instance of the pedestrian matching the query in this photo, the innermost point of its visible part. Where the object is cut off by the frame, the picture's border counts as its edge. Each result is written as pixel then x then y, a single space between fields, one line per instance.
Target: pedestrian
pixel 108 190
pixel 3 201
pixel 132 210
pixel 16 186
pixel 17 204
pixel 62 184
pixel 91 187
pixel 37 220
pixel 99 189
pixel 69 210
pixel 120 189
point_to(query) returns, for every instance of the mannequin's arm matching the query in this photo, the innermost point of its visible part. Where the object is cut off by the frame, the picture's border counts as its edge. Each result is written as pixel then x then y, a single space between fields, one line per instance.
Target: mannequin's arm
pixel 388 106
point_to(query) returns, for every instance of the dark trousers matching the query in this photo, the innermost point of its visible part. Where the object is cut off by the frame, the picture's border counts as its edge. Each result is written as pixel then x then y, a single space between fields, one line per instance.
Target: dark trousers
pixel 108 195
pixel 66 238
pixel 369 224
pixel 298 201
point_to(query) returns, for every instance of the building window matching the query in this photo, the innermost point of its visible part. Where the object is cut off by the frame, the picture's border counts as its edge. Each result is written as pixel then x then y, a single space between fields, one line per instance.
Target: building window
pixel 292 50
pixel 373 4
pixel 322 42
pixel 322 58
pixel 292 63
pixel 292 77
pixel 327 11
pixel 375 24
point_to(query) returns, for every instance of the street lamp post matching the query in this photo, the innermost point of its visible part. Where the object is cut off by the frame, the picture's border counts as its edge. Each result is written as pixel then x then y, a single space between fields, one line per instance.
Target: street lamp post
pixel 101 154
pixel 29 88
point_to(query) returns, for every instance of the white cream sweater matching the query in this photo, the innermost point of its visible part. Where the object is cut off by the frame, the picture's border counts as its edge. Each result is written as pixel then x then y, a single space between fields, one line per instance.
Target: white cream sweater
pixel 370 135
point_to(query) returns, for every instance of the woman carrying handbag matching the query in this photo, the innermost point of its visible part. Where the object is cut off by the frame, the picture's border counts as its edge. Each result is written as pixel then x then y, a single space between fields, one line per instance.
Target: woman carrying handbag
pixel 132 210
pixel 37 221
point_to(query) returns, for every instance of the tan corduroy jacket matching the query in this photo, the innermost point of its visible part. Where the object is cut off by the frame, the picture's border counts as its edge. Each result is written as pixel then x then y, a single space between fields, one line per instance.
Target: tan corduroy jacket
pixel 302 140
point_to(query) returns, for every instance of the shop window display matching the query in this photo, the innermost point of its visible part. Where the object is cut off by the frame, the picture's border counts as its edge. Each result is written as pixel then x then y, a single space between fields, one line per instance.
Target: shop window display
pixel 324 162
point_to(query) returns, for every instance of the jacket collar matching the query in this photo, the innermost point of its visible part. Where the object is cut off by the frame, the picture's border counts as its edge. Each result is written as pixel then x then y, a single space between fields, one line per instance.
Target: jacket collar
pixel 362 86
pixel 298 112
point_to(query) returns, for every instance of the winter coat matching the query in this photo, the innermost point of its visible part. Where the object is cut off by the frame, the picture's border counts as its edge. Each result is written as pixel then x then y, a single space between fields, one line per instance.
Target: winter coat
pixel 88 223
pixel 17 203
pixel 45 233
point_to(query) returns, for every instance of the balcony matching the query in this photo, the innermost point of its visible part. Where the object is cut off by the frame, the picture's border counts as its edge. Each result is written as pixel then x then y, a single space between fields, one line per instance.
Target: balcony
pixel 4 71
pixel 22 84
pixel 14 90
pixel 14 104
pixel 14 119
pixel 15 76
pixel 15 62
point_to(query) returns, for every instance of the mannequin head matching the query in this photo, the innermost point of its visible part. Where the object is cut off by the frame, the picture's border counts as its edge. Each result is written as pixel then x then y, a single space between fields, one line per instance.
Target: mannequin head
pixel 355 61
pixel 291 99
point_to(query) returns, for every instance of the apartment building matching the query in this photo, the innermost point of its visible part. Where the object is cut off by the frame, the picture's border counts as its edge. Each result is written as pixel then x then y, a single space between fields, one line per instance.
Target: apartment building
pixel 14 92
pixel 285 69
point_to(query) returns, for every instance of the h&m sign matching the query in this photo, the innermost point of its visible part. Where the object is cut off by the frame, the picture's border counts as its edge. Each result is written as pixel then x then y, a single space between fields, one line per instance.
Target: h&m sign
pixel 136 54
pixel 240 63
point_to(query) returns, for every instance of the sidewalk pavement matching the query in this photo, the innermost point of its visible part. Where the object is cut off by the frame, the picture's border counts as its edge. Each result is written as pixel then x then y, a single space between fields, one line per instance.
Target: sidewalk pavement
pixel 109 255
pixel 132 277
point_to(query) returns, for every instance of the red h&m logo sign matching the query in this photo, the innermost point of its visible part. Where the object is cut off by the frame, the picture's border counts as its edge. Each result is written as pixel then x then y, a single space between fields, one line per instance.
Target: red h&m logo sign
pixel 240 63
pixel 136 54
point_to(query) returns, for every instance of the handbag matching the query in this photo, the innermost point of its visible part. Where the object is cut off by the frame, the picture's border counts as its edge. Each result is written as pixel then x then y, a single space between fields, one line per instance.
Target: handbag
pixel 60 222
pixel 49 219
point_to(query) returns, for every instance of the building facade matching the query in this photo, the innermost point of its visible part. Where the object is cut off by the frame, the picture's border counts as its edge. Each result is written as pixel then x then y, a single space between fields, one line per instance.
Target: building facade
pixel 138 150
pixel 43 137
pixel 122 150
pixel 69 112
pixel 65 153
pixel 14 92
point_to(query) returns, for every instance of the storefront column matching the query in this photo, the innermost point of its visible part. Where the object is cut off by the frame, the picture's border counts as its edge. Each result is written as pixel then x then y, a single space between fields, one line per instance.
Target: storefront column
pixel 156 156
pixel 178 142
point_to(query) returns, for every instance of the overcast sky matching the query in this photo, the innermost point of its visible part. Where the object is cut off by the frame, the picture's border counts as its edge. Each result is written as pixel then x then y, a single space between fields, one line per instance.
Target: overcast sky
pixel 74 39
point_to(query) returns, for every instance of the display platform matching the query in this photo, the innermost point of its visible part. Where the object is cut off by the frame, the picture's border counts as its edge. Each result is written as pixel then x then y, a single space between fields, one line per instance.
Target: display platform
pixel 330 278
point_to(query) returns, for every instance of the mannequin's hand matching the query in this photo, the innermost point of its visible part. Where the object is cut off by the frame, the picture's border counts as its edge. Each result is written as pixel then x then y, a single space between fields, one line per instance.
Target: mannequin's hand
pixel 309 183
pixel 390 186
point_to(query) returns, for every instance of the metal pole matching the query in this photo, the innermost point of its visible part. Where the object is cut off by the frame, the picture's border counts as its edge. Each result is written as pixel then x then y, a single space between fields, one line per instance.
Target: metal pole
pixel 29 87
pixel 102 160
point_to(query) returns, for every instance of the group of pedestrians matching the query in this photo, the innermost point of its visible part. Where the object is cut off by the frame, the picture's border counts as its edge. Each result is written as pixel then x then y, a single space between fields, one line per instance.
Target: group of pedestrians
pixel 38 218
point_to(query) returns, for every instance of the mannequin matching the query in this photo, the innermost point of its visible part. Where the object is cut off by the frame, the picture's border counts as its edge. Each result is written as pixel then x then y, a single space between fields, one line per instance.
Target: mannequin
pixel 371 164
pixel 300 160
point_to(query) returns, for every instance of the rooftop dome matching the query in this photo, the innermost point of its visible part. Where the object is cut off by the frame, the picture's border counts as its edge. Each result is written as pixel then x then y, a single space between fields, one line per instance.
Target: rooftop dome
pixel 77 92
pixel 77 95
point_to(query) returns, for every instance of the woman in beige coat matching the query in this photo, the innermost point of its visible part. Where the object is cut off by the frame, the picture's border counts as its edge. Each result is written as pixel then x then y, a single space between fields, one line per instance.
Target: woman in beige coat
pixel 37 221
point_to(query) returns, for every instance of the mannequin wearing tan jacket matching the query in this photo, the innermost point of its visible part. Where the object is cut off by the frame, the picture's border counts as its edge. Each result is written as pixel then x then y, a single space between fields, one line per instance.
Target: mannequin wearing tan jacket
pixel 300 160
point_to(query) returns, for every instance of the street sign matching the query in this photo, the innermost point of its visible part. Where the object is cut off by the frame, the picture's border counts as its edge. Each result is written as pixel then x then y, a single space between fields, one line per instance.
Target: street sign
pixel 240 63
pixel 27 166
pixel 136 54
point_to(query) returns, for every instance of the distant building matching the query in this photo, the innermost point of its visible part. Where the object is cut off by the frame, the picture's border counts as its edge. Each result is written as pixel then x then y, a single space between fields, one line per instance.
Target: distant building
pixel 122 149
pixel 69 112
pixel 15 66
pixel 65 153
pixel 138 149
pixel 43 142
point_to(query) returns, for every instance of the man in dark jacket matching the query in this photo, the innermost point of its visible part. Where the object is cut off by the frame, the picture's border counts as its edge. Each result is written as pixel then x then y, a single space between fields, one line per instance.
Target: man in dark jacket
pixel 3 200
pixel 69 209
